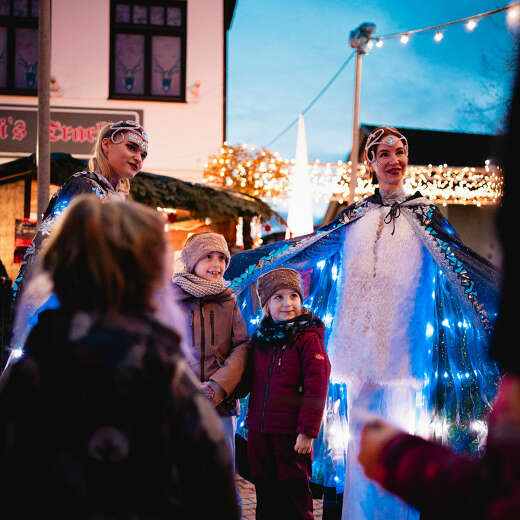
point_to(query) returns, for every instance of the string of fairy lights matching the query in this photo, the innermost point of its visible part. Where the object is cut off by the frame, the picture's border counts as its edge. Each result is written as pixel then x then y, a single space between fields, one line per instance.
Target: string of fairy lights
pixel 470 23
pixel 441 184
pixel 264 174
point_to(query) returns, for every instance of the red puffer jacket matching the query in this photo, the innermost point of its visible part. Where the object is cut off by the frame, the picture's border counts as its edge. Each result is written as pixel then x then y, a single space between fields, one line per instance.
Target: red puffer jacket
pixel 289 385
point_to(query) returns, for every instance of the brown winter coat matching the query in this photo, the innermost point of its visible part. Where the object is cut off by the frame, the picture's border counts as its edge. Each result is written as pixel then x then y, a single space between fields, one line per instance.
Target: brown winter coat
pixel 217 336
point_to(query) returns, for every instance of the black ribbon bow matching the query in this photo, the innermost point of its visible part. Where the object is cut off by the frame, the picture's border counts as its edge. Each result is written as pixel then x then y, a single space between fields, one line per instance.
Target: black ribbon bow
pixel 393 214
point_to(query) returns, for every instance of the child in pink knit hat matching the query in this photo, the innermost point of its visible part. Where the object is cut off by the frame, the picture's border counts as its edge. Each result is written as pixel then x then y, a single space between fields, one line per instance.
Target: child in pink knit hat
pixel 217 333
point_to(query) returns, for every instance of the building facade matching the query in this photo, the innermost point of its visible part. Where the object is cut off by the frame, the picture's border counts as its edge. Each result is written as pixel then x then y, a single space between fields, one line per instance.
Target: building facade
pixel 162 62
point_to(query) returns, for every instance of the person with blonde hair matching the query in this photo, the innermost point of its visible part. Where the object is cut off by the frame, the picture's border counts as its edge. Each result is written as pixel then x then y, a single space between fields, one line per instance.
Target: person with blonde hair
pixel 101 415
pixel 118 156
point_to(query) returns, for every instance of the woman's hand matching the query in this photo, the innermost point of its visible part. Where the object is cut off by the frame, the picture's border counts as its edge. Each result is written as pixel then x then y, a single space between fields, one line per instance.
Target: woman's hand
pixel 303 444
pixel 374 435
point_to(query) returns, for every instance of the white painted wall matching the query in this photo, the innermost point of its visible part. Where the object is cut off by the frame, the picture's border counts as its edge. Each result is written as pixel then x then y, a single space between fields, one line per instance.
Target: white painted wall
pixel 182 135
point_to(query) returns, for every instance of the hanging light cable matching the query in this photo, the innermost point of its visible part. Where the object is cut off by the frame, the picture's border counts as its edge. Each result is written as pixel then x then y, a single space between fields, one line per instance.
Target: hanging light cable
pixel 309 106
pixel 513 18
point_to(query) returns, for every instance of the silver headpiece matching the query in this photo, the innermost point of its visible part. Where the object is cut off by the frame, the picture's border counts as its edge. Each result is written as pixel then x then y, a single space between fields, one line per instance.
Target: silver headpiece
pixel 375 138
pixel 137 133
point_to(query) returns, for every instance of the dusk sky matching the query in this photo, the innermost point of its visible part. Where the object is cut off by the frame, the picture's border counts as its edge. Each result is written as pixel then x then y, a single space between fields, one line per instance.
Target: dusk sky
pixel 282 52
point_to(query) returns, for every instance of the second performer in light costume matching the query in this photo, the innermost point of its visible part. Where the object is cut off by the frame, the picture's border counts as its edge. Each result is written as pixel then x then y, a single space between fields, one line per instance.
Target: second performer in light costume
pixel 409 311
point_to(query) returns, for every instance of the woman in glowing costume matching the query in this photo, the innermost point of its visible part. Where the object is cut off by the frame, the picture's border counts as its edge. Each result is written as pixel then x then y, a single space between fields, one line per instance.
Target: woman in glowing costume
pixel 409 309
pixel 118 156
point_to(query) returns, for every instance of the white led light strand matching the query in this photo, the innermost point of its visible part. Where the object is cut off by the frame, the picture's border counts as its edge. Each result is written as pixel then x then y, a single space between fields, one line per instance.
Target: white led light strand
pixel 512 19
pixel 268 178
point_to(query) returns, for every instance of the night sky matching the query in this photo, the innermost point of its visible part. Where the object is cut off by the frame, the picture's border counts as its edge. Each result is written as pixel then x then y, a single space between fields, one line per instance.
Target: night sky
pixel 282 52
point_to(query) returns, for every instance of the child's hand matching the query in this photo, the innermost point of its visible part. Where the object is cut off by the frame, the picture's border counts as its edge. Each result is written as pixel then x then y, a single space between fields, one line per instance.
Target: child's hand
pixel 213 392
pixel 303 444
pixel 374 436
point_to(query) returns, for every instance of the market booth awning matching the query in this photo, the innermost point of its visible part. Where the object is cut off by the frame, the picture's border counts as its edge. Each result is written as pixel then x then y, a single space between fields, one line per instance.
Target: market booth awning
pixel 201 200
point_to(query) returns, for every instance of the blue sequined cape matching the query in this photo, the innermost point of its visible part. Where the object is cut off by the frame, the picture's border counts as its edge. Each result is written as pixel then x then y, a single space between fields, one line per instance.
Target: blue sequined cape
pixel 453 330
pixel 79 183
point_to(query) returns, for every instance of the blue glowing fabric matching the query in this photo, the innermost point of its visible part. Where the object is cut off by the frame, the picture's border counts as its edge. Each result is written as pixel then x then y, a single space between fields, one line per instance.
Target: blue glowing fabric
pixel 78 184
pixel 451 328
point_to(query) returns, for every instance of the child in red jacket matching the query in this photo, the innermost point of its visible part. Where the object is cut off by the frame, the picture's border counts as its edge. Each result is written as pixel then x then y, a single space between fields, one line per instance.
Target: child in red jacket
pixel 290 379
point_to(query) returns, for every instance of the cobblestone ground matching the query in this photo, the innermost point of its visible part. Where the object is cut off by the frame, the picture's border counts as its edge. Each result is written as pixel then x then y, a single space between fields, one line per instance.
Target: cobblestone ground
pixel 247 492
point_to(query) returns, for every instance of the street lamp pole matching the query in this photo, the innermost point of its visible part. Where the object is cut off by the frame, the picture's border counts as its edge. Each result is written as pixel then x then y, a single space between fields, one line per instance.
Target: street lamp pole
pixel 43 150
pixel 360 40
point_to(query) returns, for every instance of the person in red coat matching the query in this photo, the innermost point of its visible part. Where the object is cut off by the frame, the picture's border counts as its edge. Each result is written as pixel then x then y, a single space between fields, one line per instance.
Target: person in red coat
pixel 288 382
pixel 444 484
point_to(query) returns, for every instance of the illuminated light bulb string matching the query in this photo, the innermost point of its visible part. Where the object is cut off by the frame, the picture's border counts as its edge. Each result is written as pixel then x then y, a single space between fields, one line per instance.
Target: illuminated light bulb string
pixel 513 19
pixel 441 184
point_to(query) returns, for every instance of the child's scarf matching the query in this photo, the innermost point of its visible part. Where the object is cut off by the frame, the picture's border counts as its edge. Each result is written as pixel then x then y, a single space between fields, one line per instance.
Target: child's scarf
pixel 276 334
pixel 199 287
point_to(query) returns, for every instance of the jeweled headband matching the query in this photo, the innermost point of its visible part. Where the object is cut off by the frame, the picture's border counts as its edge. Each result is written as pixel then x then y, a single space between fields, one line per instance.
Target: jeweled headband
pixel 375 138
pixel 137 133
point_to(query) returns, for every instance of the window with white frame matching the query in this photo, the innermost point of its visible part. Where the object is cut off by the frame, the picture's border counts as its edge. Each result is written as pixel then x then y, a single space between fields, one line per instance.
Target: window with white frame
pixel 19 47
pixel 148 50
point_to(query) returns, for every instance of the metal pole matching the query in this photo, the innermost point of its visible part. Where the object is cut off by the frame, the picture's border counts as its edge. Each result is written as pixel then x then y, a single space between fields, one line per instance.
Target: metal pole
pixel 355 132
pixel 43 152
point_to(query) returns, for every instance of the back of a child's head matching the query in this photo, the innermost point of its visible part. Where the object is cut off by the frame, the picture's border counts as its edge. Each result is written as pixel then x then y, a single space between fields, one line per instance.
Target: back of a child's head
pixel 106 257
pixel 198 245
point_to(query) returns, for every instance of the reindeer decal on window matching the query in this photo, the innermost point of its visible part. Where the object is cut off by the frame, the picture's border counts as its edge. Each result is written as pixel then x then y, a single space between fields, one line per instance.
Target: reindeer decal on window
pixel 166 74
pixel 31 71
pixel 129 74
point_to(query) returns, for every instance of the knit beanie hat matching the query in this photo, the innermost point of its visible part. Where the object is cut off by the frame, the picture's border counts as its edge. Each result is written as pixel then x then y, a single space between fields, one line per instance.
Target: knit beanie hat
pixel 201 244
pixel 281 278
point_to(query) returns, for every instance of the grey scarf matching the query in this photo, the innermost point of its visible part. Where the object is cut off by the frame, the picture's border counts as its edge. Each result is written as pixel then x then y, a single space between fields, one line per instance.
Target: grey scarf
pixel 199 287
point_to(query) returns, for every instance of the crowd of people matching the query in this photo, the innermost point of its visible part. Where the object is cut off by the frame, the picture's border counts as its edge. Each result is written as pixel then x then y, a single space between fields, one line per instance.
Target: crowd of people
pixel 121 392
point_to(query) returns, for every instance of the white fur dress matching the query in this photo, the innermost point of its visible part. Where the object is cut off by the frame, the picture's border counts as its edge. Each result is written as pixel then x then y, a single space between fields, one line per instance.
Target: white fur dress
pixel 370 346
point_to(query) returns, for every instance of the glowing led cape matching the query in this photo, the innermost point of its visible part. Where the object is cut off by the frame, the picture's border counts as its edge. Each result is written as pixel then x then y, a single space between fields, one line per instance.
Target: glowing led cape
pixel 459 293
pixel 78 184
pixel 41 297
pixel 37 294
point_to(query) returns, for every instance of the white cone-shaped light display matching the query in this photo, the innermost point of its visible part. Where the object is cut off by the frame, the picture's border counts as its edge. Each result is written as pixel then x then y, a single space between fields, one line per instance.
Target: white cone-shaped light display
pixel 299 218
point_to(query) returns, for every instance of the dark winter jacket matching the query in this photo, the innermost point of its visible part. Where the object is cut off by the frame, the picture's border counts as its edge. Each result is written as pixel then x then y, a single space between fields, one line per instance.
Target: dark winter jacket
pixel 289 385
pixel 105 420
pixel 444 484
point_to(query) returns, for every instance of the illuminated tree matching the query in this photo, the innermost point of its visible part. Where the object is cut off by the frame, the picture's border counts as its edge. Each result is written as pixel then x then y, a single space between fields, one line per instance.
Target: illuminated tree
pixel 246 168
